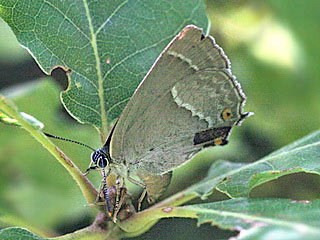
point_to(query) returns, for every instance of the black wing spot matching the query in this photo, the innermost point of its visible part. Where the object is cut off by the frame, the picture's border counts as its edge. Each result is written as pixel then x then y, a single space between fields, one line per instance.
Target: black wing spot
pixel 210 135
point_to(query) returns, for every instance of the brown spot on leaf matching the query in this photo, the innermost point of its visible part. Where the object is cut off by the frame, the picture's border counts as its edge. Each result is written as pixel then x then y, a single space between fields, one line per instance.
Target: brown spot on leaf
pixel 167 209
pixel 62 155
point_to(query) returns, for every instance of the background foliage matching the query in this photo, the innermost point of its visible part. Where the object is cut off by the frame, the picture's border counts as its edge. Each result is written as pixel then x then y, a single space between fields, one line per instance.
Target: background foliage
pixel 273 49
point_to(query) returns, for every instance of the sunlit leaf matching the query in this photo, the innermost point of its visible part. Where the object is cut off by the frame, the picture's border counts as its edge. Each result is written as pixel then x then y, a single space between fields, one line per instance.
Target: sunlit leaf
pixel 108 46
pixel 300 156
pixel 267 216
pixel 217 173
pixel 238 179
pixel 17 233
pixel 280 216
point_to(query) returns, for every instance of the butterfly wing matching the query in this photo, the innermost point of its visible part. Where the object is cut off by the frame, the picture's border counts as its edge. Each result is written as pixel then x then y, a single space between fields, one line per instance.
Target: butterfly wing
pixel 188 99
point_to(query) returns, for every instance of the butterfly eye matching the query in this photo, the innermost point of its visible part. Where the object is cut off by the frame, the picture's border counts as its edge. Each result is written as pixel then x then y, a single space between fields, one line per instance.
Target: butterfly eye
pixel 102 161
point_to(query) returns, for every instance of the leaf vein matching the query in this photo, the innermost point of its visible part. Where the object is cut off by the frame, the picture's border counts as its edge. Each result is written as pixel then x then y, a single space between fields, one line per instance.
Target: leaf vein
pixel 111 15
pixel 133 54
pixel 65 16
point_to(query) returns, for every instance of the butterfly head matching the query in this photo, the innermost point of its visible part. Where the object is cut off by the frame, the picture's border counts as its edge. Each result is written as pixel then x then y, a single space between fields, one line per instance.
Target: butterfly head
pixel 100 158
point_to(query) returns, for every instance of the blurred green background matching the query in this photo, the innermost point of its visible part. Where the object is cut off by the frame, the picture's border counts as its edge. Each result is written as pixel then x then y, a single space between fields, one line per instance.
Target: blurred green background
pixel 275 53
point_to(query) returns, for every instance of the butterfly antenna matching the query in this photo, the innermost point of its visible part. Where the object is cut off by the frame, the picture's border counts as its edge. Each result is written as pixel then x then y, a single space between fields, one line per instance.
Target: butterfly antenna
pixel 69 140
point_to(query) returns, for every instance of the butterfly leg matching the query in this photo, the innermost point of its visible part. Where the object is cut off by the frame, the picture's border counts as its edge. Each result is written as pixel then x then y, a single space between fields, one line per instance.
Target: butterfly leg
pixel 119 198
pixel 100 191
pixel 143 194
pixel 90 168
pixel 136 182
pixel 118 193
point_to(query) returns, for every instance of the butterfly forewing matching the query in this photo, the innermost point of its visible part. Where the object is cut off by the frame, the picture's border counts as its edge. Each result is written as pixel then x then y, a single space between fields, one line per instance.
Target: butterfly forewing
pixel 189 99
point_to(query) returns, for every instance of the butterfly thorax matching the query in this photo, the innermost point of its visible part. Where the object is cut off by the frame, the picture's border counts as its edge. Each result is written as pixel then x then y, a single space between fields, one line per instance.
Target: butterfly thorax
pixel 119 170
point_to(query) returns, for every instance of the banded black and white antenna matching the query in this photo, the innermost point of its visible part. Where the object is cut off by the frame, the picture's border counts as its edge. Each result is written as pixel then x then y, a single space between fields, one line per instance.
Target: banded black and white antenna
pixel 68 140
pixel 99 159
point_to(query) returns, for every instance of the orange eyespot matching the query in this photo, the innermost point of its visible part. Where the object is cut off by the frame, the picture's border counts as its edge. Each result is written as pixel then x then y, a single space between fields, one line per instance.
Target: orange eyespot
pixel 217 141
pixel 226 114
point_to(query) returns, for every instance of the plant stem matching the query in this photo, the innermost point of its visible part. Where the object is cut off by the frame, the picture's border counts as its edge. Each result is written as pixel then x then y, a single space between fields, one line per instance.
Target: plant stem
pixel 88 190
pixel 143 221
pixel 176 199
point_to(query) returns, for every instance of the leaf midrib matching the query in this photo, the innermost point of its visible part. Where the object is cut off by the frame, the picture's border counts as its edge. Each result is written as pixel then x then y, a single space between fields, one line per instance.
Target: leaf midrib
pixel 93 41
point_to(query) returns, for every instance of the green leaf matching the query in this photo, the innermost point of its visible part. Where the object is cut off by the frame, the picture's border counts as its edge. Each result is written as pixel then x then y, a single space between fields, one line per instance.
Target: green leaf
pixel 242 213
pixel 108 46
pixel 299 218
pixel 300 156
pixel 276 214
pixel 14 220
pixel 17 234
pixel 217 172
pixel 238 179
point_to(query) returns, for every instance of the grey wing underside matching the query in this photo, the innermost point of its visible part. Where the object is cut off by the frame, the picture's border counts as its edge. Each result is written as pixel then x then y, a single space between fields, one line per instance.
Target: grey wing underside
pixel 183 95
pixel 165 136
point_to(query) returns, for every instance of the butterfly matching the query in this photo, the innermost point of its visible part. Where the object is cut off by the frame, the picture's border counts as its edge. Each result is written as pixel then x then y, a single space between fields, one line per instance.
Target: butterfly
pixel 189 100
